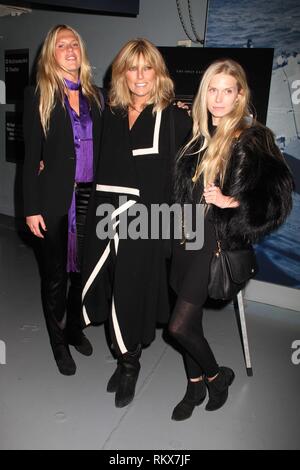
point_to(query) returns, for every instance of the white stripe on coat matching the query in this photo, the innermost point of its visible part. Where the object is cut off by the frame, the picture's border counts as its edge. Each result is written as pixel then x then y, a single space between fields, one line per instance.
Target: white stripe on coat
pixel 117 189
pixel 97 269
pixel 155 146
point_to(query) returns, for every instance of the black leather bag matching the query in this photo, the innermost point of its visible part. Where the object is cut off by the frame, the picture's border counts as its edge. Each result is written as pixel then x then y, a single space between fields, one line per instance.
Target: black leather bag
pixel 230 270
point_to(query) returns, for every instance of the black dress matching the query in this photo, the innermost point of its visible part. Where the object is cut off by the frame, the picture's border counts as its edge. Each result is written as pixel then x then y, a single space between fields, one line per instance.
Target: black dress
pixel 131 284
pixel 189 267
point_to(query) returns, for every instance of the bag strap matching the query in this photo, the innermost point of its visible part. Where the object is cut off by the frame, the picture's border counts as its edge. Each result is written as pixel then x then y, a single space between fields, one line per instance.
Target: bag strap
pixel 219 245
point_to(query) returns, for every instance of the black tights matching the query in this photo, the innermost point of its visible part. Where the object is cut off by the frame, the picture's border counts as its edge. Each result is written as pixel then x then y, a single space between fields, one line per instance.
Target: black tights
pixel 186 326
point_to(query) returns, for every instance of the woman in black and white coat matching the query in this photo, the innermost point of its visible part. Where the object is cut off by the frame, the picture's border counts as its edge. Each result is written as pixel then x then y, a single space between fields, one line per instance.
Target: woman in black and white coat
pixel 125 278
pixel 233 166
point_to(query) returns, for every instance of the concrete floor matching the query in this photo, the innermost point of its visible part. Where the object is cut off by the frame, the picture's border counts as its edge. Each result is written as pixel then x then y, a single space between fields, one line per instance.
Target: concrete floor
pixel 41 409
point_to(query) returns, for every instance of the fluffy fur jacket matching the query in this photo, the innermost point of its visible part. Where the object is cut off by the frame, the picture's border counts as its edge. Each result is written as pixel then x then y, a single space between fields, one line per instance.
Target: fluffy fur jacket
pixel 260 180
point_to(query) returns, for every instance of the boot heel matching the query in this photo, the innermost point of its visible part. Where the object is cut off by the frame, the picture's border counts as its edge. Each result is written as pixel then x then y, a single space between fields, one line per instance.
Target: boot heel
pixel 218 388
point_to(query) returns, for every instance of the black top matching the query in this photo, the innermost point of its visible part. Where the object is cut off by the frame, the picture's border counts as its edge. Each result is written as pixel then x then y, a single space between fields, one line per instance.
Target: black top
pixel 50 192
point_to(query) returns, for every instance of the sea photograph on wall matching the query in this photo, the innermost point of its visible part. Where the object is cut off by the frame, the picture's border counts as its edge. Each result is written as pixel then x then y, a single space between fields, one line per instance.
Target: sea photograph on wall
pixel 273 24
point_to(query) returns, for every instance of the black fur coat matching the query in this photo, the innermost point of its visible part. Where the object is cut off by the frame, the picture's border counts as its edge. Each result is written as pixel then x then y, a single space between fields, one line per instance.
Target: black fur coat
pixel 261 181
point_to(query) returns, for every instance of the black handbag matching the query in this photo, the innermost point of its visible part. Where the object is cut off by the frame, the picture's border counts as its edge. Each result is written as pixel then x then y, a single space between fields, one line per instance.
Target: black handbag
pixel 230 270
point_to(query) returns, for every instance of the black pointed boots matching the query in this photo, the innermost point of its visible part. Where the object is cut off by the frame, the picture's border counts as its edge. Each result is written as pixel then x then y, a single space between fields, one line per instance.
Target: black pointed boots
pixel 123 380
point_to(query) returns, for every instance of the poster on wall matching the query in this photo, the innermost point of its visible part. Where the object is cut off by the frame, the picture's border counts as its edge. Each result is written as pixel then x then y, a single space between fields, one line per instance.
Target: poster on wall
pixel 14 137
pixel 268 24
pixel 186 66
pixel 16 74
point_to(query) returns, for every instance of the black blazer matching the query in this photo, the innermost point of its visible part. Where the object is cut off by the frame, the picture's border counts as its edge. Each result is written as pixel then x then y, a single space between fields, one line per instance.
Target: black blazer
pixel 50 193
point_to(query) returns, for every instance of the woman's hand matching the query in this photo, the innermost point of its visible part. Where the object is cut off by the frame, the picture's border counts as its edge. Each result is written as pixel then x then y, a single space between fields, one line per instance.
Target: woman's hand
pixel 213 195
pixel 182 105
pixel 41 167
pixel 34 223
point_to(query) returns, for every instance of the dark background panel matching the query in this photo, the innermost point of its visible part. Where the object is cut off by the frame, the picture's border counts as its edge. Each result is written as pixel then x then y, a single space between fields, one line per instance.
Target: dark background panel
pixel 187 65
pixel 16 74
pixel 120 7
pixel 14 137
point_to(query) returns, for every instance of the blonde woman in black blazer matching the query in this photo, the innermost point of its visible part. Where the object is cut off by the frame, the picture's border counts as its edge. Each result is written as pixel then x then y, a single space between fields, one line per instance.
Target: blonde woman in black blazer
pixel 62 118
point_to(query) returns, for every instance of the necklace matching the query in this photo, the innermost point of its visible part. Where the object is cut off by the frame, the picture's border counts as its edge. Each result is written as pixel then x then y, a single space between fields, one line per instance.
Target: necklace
pixel 132 107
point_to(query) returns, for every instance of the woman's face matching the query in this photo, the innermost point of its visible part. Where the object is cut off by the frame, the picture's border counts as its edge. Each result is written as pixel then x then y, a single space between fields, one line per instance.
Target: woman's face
pixel 222 96
pixel 68 53
pixel 140 78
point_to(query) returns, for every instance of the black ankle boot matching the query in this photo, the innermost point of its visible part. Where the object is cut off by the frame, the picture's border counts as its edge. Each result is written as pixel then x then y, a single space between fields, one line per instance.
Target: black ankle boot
pixel 194 396
pixel 129 372
pixel 218 388
pixel 64 360
pixel 113 382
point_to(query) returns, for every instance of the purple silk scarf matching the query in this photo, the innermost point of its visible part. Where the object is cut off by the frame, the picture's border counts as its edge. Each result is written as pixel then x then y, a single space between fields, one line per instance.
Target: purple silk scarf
pixel 82 126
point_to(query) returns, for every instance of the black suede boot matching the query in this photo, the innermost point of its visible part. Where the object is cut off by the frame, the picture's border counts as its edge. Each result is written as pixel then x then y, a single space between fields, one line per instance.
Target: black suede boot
pixel 129 372
pixel 218 388
pixel 194 396
pixel 64 360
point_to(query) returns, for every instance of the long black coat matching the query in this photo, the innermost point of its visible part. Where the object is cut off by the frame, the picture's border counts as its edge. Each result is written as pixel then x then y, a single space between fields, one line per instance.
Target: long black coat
pixel 261 181
pixel 136 164
pixel 50 192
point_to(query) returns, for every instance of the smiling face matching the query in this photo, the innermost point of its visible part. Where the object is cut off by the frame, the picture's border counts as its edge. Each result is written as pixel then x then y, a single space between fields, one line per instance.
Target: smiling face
pixel 222 96
pixel 68 54
pixel 140 79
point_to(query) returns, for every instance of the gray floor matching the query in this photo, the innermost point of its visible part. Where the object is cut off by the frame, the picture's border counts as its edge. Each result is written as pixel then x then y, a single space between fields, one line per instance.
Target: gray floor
pixel 41 409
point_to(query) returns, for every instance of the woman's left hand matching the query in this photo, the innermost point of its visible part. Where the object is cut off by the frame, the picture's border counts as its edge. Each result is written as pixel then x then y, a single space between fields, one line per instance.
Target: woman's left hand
pixel 183 105
pixel 213 195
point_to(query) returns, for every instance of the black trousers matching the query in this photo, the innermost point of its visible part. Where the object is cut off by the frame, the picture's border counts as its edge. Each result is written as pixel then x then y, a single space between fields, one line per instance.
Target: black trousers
pixel 62 306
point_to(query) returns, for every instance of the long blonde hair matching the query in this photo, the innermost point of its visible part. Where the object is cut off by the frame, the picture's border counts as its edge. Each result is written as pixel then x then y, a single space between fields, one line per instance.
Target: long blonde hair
pixel 215 150
pixel 50 83
pixel 163 90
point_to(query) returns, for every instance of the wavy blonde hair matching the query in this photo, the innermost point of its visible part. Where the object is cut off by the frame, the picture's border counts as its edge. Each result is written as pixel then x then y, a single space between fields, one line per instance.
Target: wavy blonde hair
pixel 50 83
pixel 163 89
pixel 215 150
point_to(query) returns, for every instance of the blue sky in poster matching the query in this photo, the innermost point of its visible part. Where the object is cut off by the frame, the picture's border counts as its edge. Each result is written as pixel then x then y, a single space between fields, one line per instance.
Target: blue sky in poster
pixel 273 24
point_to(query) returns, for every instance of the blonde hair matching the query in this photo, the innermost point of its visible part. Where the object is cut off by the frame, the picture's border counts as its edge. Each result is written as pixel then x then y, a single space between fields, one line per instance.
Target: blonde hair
pixel 214 160
pixel 163 89
pixel 50 83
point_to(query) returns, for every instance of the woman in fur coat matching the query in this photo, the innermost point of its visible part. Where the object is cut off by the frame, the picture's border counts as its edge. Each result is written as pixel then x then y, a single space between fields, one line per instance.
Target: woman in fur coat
pixel 233 166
